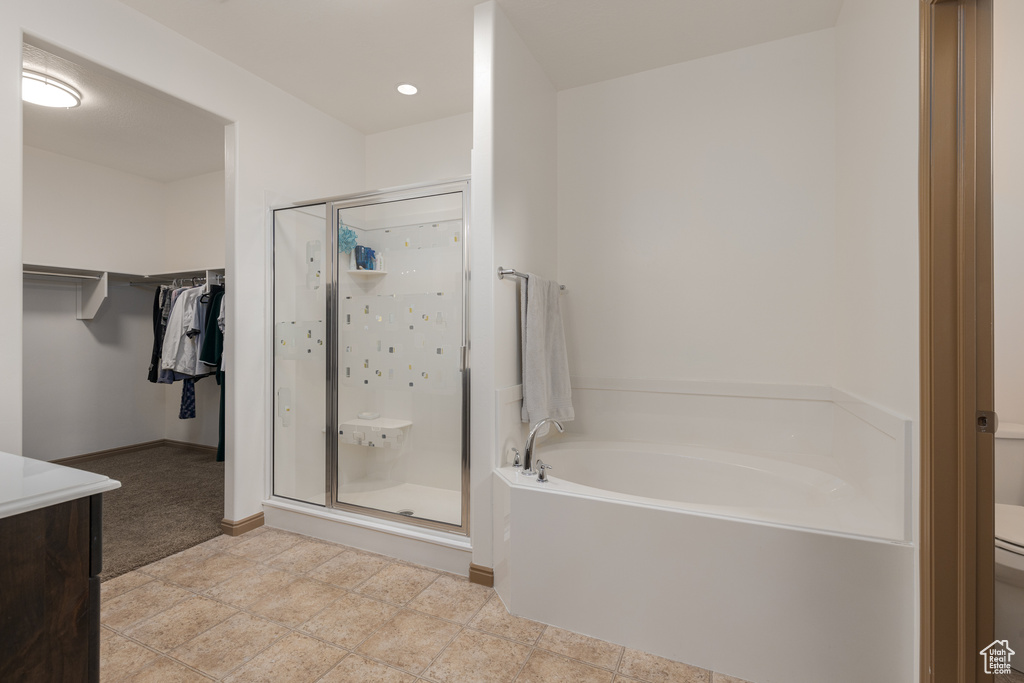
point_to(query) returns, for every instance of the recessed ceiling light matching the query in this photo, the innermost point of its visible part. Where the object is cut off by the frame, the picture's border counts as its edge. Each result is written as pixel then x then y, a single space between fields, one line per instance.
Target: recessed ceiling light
pixel 407 89
pixel 48 91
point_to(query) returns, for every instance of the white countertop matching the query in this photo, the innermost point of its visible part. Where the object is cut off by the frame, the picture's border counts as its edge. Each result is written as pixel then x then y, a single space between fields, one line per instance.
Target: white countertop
pixel 27 484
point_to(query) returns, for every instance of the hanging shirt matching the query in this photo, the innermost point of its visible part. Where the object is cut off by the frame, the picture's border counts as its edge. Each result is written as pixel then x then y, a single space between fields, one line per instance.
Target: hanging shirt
pixel 180 352
pixel 213 342
pixel 168 376
pixel 158 334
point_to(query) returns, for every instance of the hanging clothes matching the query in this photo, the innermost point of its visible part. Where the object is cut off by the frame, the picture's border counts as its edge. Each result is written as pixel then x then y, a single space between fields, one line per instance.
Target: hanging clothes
pixel 158 334
pixel 183 320
pixel 180 351
pixel 188 399
pixel 212 354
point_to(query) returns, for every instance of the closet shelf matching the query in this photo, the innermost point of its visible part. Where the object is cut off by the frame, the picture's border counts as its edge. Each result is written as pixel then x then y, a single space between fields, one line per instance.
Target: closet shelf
pixel 93 285
pixel 367 272
pixel 36 270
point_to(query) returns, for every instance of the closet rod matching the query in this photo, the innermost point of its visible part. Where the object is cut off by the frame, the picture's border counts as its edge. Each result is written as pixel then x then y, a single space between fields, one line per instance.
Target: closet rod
pixel 201 280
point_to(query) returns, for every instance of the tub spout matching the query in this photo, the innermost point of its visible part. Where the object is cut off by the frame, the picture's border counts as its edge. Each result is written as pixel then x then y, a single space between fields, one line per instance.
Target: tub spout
pixel 528 457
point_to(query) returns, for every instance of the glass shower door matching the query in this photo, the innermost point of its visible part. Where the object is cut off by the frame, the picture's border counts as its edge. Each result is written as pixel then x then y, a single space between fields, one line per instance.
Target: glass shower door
pixel 302 267
pixel 401 448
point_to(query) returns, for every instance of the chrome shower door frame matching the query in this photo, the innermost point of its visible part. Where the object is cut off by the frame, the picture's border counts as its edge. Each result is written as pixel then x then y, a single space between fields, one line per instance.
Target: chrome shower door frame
pixel 335 204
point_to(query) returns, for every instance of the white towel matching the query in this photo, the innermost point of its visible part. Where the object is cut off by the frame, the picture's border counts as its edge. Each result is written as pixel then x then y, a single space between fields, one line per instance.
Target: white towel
pixel 546 388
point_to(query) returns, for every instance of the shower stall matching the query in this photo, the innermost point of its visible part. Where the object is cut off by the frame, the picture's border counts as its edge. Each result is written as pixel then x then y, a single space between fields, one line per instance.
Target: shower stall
pixel 371 384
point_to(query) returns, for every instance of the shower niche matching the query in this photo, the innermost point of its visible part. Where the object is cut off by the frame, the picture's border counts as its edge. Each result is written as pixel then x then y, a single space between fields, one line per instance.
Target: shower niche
pixel 370 378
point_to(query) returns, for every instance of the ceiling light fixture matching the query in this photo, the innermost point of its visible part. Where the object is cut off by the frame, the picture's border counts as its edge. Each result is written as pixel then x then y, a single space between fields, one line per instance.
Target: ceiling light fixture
pixel 407 89
pixel 48 91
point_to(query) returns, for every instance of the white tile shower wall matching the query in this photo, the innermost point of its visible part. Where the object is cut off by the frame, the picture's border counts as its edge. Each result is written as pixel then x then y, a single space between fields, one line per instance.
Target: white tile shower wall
pixel 400 339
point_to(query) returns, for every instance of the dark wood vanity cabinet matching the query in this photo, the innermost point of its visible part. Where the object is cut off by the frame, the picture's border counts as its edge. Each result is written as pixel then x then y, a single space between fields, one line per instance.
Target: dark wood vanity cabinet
pixel 50 593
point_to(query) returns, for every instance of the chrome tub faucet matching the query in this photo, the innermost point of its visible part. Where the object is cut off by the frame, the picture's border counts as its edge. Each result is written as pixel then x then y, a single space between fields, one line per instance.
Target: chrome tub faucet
pixel 528 457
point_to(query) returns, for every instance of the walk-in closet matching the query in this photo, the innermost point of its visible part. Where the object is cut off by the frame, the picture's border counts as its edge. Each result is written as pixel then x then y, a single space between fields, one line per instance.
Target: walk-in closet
pixel 124 198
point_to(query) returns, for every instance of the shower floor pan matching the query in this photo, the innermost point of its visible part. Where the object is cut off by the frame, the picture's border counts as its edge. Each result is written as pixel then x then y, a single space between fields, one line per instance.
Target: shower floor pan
pixel 424 502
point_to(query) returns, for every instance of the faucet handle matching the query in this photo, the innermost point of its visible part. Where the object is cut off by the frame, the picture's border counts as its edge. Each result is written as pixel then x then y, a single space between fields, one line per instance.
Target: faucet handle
pixel 542 476
pixel 516 462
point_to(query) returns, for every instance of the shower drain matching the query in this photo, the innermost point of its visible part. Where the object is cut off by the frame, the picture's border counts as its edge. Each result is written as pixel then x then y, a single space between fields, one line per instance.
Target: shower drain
pixel 405 513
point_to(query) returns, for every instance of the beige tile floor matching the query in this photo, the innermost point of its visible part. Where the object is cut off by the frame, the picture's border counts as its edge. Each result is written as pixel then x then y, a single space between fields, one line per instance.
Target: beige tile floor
pixel 278 607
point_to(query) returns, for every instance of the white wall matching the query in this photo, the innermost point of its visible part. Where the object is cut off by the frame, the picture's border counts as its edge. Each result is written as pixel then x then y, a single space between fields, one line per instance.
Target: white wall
pixel 875 342
pixel 1008 175
pixel 275 145
pixel 435 150
pixel 696 211
pixel 85 381
pixel 193 215
pixel 81 215
pixel 513 222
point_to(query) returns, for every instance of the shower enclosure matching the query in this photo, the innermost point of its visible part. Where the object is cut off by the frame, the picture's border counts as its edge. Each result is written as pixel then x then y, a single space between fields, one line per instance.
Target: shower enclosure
pixel 371 386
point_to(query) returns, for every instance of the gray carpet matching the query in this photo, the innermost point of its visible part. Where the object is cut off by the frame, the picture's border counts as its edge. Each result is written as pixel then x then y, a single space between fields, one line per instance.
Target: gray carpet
pixel 171 498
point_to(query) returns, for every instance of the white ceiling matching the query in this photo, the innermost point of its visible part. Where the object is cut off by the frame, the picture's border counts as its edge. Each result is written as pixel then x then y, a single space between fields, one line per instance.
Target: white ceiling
pixel 121 123
pixel 345 57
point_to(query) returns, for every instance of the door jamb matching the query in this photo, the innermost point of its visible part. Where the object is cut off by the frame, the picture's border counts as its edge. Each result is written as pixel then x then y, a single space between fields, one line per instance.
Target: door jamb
pixel 957 497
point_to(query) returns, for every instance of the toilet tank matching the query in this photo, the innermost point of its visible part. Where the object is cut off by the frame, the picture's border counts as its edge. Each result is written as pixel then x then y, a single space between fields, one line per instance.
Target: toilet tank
pixel 1010 463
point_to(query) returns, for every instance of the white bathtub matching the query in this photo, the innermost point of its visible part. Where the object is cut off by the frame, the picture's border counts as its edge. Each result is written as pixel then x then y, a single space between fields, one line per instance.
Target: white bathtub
pixel 710 481
pixel 739 563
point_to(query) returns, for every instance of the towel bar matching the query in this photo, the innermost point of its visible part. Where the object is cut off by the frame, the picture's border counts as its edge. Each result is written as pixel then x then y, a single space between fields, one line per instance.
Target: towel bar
pixel 512 272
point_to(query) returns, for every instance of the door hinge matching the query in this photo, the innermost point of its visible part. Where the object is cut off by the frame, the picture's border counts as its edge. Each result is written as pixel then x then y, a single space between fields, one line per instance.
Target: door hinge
pixel 988 421
pixel 464 359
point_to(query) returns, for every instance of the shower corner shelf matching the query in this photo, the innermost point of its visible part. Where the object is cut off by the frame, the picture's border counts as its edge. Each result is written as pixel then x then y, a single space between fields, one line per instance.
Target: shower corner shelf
pixel 367 272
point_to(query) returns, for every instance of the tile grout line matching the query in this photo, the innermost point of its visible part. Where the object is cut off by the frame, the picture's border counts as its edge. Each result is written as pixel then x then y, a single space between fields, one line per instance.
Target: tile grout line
pixel 417 676
pixel 423 672
pixel 156 661
pixel 159 656
pixel 529 656
pixel 618 663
